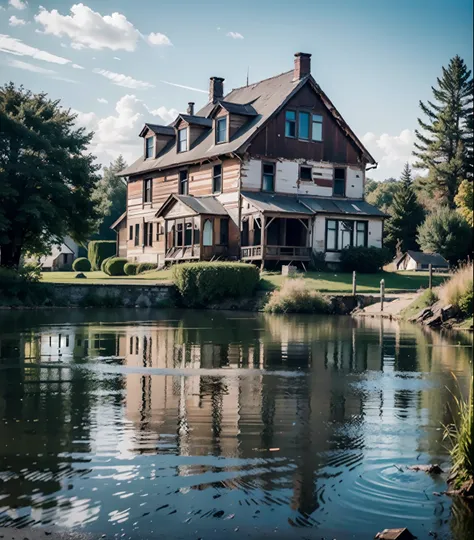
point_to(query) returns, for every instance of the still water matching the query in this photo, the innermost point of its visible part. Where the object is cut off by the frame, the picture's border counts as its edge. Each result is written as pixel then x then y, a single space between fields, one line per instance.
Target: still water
pixel 148 424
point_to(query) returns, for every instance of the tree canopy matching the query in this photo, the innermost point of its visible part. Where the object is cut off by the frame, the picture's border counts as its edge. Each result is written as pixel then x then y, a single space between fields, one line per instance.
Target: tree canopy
pixel 46 175
pixel 381 194
pixel 406 214
pixel 111 197
pixel 444 141
pixel 465 201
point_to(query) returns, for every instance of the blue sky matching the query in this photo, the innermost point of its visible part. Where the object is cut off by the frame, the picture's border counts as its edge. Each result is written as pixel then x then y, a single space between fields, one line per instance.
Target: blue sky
pixel 107 59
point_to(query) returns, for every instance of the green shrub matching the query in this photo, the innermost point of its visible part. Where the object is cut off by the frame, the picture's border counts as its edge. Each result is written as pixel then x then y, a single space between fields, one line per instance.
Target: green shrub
pixel 202 283
pixel 466 302
pixel 81 265
pixel 318 261
pixel 21 287
pixel 115 266
pixel 98 250
pixel 131 269
pixel 104 263
pixel 146 266
pixel 367 260
pixel 296 297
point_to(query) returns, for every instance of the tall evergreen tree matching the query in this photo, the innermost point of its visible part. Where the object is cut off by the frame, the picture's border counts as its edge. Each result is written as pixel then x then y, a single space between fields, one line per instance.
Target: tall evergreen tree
pixel 406 214
pixel 111 197
pixel 444 141
pixel 46 175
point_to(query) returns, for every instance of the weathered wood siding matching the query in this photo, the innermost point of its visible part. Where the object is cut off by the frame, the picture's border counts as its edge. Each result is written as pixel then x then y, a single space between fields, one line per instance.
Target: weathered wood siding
pixel 335 147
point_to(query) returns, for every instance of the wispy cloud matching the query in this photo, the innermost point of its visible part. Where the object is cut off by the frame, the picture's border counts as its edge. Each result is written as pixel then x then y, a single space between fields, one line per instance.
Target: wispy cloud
pixel 234 35
pixel 89 29
pixel 15 21
pixel 77 66
pixel 158 39
pixel 17 47
pixel 123 80
pixel 185 87
pixel 18 4
pixel 117 58
pixel 102 100
pixel 30 67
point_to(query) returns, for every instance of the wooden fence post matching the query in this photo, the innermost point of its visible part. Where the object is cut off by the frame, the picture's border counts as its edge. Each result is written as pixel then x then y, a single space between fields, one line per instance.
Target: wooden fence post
pixel 430 282
pixel 382 293
pixel 354 283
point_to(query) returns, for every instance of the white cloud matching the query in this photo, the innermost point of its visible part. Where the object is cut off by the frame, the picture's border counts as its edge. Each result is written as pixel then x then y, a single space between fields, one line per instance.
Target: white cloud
pixel 390 151
pixel 123 80
pixel 18 4
pixel 89 29
pixel 158 39
pixel 30 67
pixel 234 35
pixel 77 66
pixel 16 46
pixel 117 58
pixel 102 100
pixel 15 21
pixel 38 69
pixel 118 133
pixel 185 87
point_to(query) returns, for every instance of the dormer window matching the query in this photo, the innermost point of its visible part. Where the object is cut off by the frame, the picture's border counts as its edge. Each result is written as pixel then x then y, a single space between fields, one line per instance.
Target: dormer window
pixel 149 143
pixel 221 130
pixel 182 139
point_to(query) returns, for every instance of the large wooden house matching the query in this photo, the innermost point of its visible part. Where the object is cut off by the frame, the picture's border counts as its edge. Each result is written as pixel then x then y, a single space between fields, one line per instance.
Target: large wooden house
pixel 268 172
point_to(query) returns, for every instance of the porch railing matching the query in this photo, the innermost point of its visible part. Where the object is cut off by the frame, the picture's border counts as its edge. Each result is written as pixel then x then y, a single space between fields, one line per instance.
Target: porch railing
pixel 276 252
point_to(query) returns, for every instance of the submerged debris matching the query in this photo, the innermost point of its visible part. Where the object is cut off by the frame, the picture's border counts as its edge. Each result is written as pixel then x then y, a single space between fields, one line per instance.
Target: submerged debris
pixel 430 469
pixel 395 534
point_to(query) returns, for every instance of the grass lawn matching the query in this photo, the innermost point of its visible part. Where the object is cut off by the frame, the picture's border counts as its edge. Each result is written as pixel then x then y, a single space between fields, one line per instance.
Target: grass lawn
pixel 332 282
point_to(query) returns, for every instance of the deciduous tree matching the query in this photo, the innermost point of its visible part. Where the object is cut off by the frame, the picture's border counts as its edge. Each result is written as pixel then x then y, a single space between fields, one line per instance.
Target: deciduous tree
pixel 46 175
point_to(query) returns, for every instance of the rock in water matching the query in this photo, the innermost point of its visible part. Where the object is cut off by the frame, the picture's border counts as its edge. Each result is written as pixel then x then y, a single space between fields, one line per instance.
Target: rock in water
pixel 395 534
pixel 430 469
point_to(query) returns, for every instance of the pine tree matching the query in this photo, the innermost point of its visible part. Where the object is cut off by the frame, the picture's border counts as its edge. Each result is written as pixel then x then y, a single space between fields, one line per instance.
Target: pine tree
pixel 406 215
pixel 444 142
pixel 111 197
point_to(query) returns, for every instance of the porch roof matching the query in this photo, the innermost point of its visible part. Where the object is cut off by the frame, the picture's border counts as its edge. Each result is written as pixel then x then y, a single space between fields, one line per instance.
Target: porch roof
pixel 270 202
pixel 198 205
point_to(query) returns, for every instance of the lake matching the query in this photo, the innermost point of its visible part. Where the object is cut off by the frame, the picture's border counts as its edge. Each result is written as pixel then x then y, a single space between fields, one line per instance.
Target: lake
pixel 199 424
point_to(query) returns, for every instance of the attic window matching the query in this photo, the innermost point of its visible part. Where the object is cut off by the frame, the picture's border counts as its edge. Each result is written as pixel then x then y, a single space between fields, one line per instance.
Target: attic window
pixel 182 140
pixel 149 147
pixel 221 130
pixel 317 127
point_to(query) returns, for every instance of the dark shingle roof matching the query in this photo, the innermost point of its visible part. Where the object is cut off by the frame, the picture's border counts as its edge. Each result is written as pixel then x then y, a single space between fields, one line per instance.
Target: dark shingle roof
pixel 195 120
pixel 434 259
pixel 341 206
pixel 199 205
pixel 269 202
pixel 159 130
pixel 237 108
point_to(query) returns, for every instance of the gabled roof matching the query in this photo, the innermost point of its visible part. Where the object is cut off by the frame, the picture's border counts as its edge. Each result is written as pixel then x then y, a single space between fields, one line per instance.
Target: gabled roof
pixel 236 108
pixel 305 204
pixel 193 120
pixel 198 205
pixel 419 257
pixel 119 220
pixel 157 130
pixel 267 97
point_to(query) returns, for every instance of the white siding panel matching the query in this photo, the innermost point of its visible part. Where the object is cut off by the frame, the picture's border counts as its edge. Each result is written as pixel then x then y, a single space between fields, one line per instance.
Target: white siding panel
pixel 252 174
pixel 286 177
pixel 354 183
pixel 375 233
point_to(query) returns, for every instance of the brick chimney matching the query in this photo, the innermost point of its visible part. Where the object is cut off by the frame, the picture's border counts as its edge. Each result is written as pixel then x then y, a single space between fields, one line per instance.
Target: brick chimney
pixel 216 89
pixel 190 109
pixel 302 65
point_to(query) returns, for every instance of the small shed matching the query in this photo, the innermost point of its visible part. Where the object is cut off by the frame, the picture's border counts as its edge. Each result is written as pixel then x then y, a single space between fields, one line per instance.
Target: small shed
pixel 417 260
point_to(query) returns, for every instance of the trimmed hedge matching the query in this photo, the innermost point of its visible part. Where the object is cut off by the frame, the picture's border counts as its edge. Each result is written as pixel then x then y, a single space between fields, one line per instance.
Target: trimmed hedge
pixel 200 284
pixel 145 266
pixel 367 260
pixel 81 265
pixel 131 269
pixel 103 263
pixel 98 250
pixel 115 266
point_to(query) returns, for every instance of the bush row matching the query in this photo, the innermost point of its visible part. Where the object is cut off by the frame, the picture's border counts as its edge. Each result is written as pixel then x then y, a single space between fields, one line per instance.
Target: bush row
pixel 367 260
pixel 81 265
pixel 98 250
pixel 132 269
pixel 201 284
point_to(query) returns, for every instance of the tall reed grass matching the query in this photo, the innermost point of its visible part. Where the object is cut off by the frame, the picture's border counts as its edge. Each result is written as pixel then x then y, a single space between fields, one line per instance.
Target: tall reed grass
pixel 458 289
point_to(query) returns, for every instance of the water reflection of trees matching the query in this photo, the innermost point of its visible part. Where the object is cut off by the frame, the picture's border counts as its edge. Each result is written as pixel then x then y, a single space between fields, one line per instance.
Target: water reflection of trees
pixel 314 410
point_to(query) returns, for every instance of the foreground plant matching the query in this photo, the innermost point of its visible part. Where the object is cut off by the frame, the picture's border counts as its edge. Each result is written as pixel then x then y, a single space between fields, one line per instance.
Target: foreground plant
pixel 296 297
pixel 461 435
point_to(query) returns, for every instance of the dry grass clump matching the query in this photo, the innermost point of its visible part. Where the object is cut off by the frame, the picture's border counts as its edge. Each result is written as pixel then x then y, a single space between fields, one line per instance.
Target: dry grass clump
pixel 458 288
pixel 296 297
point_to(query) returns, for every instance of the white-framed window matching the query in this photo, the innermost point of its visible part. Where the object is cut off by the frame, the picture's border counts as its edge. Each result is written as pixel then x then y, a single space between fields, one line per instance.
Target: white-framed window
pixel 221 130
pixel 182 139
pixel 207 233
pixel 149 144
pixel 317 127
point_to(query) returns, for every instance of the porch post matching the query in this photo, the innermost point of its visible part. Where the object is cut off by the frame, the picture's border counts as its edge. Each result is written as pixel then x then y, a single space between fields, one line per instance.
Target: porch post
pixel 192 237
pixel 166 237
pixel 263 236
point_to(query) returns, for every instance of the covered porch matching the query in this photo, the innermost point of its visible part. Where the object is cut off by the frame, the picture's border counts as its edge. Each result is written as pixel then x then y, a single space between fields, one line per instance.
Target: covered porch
pixel 275 228
pixel 194 228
